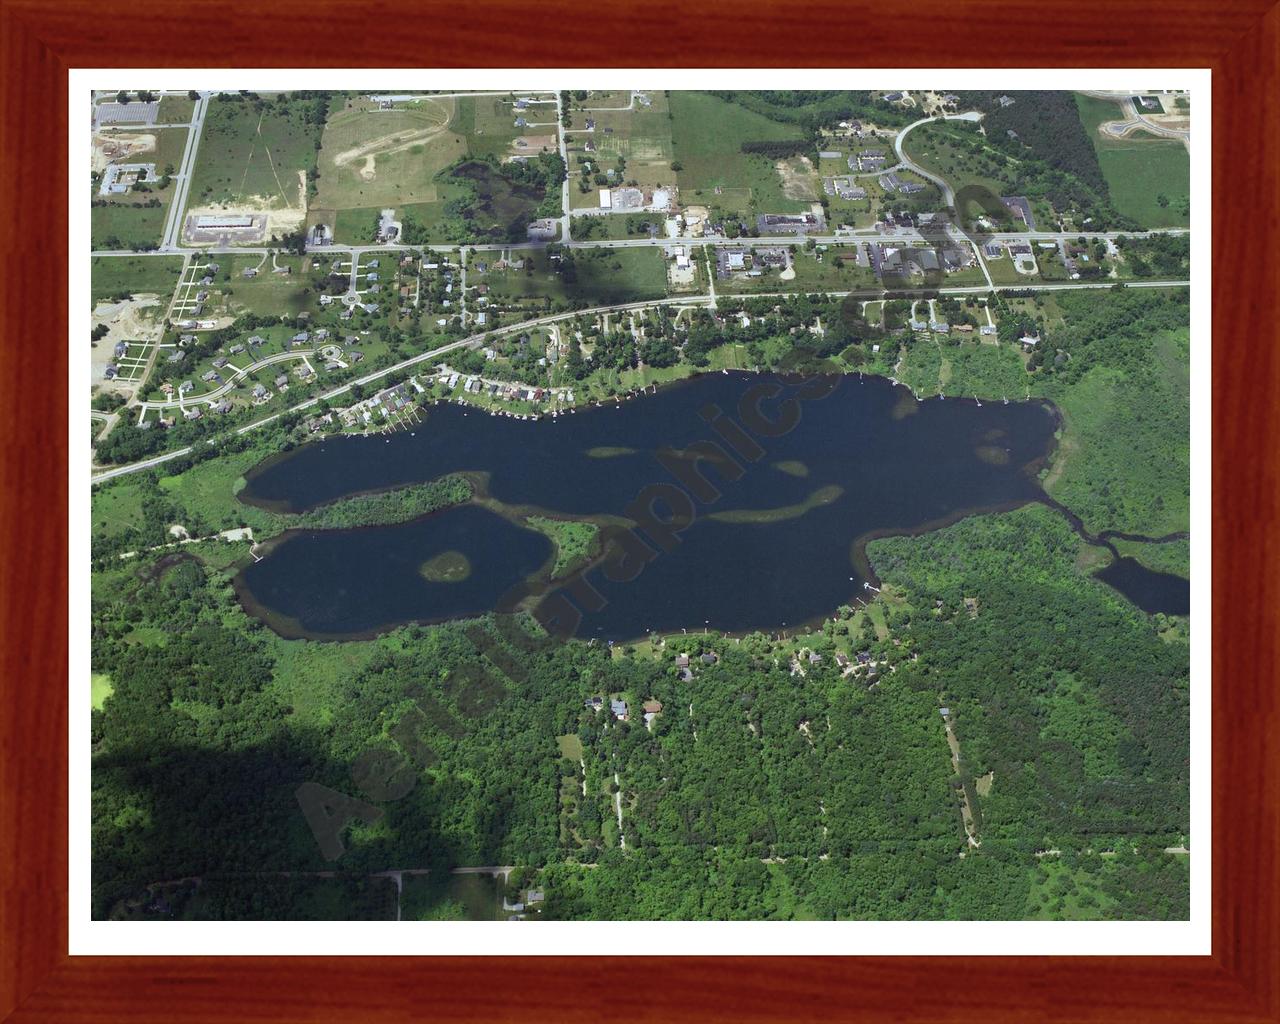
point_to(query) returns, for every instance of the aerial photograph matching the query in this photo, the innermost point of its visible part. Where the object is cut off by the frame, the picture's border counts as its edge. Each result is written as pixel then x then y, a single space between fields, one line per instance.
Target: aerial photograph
pixel 639 504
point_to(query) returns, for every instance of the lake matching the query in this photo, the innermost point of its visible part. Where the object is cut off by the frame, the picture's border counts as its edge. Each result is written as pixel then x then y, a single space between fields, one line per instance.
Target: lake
pixel 769 526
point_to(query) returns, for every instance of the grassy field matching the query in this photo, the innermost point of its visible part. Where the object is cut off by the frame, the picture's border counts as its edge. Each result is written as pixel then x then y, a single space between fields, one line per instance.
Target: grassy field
pixel 487 123
pixel 100 686
pixel 1125 445
pixel 128 225
pixel 253 156
pixel 175 109
pixel 377 158
pixel 600 278
pixel 1140 169
pixel 111 275
pixel 268 293
pixel 706 139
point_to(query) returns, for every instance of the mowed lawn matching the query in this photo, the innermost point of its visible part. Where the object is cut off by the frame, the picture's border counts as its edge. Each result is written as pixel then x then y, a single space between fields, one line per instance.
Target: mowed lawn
pixel 112 275
pixel 253 155
pixel 376 158
pixel 706 139
pixel 1140 169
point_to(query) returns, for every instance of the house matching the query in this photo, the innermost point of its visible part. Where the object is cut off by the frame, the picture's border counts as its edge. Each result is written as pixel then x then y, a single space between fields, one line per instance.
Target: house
pixel 534 896
pixel 653 707
pixel 260 392
pixel 815 658
pixel 191 414
pixel 121 348
pixel 235 349
pixel 220 362
pixel 842 660
pixel 222 407
pixel 301 338
pixel 1029 340
pixel 255 340
pixel 111 371
pixel 282 380
pixel 619 709
pixel 185 386
pixel 177 356
pixel 987 329
pixel 210 376
pixel 249 272
pixel 593 703
pixel 710 658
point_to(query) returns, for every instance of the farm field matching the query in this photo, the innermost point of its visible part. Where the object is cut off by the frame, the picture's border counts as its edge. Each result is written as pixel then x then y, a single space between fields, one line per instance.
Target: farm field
pixel 1140 169
pixel 706 140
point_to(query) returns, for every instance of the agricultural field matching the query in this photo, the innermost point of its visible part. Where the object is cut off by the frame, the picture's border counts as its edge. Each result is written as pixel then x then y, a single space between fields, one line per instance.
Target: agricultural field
pixel 707 134
pixel 1149 178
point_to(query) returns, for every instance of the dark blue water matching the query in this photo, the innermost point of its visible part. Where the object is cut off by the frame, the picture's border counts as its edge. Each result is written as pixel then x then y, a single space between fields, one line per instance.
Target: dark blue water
pixel 893 464
pixel 1150 590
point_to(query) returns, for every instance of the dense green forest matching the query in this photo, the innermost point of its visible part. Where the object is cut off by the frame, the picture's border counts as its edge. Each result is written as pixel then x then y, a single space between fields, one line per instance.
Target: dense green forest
pixel 758 792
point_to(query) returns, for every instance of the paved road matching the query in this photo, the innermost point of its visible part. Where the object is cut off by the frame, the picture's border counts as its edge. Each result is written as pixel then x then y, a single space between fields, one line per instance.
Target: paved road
pixel 173 221
pixel 212 396
pixel 861 235
pixel 948 195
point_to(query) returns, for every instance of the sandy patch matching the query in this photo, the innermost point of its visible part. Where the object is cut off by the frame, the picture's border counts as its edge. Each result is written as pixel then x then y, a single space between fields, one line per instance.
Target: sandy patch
pixel 120 147
pixel 396 142
pixel 280 220
pixel 799 179
pixel 139 319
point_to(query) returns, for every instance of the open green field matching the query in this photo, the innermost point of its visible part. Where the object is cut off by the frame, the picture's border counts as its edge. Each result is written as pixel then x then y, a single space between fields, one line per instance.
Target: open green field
pixel 706 139
pixel 254 154
pixel 598 277
pixel 268 293
pixel 128 225
pixel 377 158
pixel 113 275
pixel 1140 169
pixel 175 109
pixel 961 157
pixel 100 687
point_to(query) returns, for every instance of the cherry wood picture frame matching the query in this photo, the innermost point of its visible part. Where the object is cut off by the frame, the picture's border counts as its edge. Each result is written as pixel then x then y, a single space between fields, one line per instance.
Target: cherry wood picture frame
pixel 39 981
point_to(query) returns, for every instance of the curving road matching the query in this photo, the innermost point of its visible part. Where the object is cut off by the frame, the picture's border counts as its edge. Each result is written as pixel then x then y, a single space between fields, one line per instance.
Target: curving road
pixel 948 194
